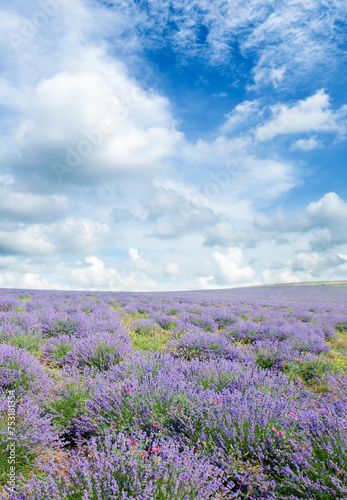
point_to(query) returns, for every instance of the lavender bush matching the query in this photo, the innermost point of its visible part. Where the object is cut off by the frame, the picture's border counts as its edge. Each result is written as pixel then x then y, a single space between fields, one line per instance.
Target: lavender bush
pixel 19 371
pixel 56 349
pixel 100 351
pixel 32 437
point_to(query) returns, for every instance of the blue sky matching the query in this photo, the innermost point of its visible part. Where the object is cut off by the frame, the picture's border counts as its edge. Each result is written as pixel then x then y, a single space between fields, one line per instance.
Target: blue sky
pixel 170 145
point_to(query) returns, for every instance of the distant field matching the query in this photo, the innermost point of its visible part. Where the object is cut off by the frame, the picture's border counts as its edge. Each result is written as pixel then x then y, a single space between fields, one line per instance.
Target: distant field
pixel 314 283
pixel 223 394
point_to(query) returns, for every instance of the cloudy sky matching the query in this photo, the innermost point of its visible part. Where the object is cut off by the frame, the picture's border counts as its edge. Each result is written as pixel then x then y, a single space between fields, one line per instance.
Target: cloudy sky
pixel 171 145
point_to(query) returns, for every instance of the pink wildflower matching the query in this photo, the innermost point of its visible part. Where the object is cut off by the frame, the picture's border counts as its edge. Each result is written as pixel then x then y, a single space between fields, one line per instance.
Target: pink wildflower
pixel 218 400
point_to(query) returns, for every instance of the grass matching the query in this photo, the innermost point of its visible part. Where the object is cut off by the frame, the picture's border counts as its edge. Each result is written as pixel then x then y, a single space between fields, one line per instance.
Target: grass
pixel 337 354
pixel 29 341
pixel 313 373
pixel 24 459
pixel 67 405
pixel 25 298
pixel 154 340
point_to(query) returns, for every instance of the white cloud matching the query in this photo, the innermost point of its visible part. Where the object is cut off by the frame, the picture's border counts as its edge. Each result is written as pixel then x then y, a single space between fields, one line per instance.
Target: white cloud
pixel 230 266
pixel 285 275
pixel 26 281
pixel 172 268
pixel 174 213
pixel 21 240
pixel 93 274
pixel 206 283
pixel 79 235
pixel 325 222
pixel 22 206
pixel 287 40
pixel 328 212
pixel 307 266
pixel 140 265
pixel 315 262
pixel 310 115
pixel 307 144
pixel 95 123
pixel 246 111
pixel 72 235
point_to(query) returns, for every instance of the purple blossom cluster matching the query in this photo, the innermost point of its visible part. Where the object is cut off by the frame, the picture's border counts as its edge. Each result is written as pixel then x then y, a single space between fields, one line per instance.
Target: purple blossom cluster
pixel 20 371
pixel 247 399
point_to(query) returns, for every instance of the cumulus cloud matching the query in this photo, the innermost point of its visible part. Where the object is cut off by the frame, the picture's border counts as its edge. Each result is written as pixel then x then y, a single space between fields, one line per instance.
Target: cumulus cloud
pixel 139 265
pixel 323 225
pixel 315 263
pixel 93 274
pixel 175 214
pixel 94 123
pixel 28 207
pixel 307 144
pixel 71 235
pixel 12 279
pixel 80 235
pixel 21 240
pixel 284 275
pixel 230 266
pixel 307 266
pixel 236 171
pixel 310 115
pixel 327 217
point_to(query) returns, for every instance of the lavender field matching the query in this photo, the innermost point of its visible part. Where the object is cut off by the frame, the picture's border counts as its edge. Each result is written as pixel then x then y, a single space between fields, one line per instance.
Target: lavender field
pixel 186 395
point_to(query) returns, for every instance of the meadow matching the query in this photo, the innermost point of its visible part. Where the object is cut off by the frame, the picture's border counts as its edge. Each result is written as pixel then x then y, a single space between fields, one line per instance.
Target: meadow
pixel 226 394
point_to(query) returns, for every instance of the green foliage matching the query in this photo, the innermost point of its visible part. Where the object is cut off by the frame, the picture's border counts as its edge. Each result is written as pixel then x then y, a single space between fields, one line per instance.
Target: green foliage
pixel 341 326
pixel 25 298
pixel 24 460
pixel 62 349
pixel 153 341
pixel 31 342
pixel 69 402
pixel 310 371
